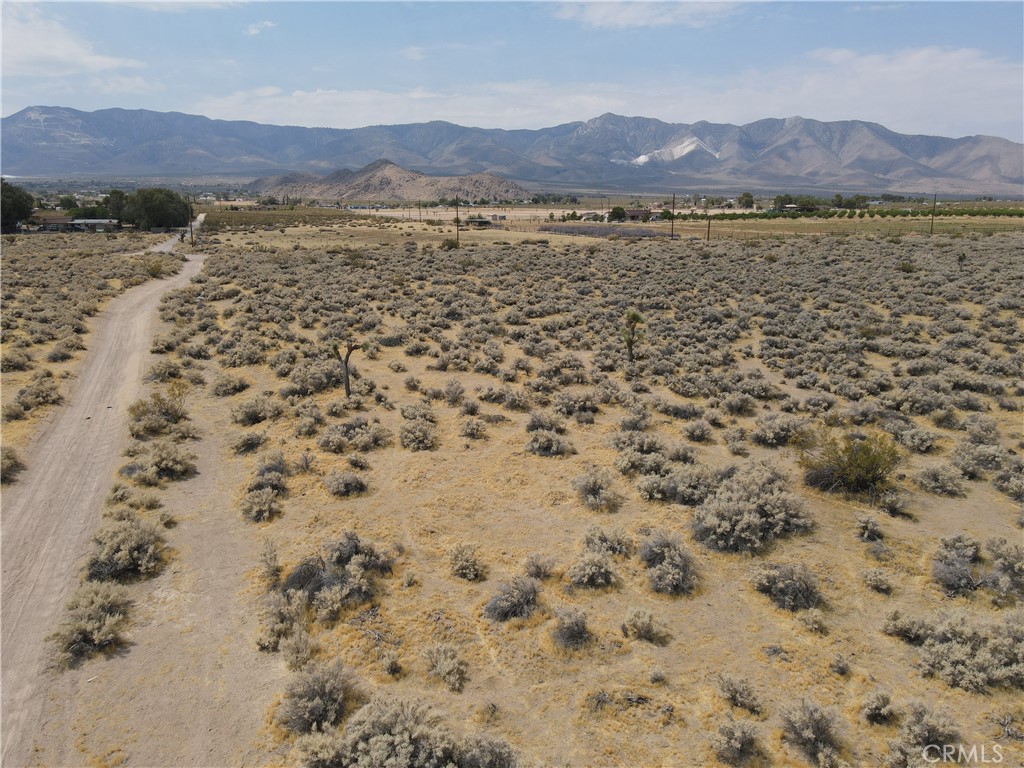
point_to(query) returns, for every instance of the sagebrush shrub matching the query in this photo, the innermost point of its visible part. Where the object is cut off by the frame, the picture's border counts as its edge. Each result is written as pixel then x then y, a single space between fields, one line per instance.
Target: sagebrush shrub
pixel 690 485
pixel 813 730
pixel 254 411
pixel 547 443
pixel 791 586
pixel 954 565
pixel 740 693
pixel 298 649
pixel 158 414
pixel 317 697
pixel 877 580
pixel 94 617
pixel 748 510
pixel 249 442
pixel 735 741
pixel 670 567
pixel 10 464
pixel 340 483
pixel 392 733
pixel 544 421
pixel 592 571
pixel 465 563
pixel 418 435
pixel 641 625
pixel 515 599
pixel 775 430
pixel 474 429
pixel 970 655
pixel 975 656
pixel 538 566
pixel 878 709
pixel 615 544
pixel 941 480
pixel 571 629
pixel 444 663
pixel 595 491
pixel 125 548
pixel 280 614
pixel 922 727
pixel 1008 567
pixel 699 431
pixel 260 504
pixel 868 529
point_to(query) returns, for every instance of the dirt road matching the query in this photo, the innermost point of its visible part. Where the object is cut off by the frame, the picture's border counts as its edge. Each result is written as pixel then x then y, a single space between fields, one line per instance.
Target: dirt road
pixel 49 514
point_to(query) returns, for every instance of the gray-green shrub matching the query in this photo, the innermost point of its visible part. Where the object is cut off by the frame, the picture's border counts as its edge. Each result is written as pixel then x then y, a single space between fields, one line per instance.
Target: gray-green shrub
pixel 791 586
pixel 748 510
pixel 317 698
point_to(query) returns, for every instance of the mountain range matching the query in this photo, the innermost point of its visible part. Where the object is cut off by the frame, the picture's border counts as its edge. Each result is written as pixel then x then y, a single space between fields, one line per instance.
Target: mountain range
pixel 384 181
pixel 608 152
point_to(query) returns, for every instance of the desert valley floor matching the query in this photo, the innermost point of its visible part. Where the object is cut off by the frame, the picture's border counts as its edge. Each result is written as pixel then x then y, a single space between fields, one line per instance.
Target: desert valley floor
pixel 589 502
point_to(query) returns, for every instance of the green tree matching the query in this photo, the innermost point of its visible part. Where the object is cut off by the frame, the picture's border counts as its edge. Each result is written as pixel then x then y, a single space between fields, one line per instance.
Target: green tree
pixel 67 202
pixel 116 202
pixel 15 206
pixel 157 207
pixel 618 213
pixel 853 462
pixel 746 200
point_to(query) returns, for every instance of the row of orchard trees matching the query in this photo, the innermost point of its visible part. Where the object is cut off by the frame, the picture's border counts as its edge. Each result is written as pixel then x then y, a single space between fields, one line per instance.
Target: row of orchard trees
pixel 143 208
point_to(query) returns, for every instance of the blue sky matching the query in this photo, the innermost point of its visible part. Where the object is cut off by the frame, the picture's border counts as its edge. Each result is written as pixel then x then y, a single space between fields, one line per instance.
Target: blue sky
pixel 942 68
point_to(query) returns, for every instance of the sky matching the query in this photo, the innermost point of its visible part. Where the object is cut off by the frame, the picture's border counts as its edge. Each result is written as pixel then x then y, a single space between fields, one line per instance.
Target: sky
pixel 937 68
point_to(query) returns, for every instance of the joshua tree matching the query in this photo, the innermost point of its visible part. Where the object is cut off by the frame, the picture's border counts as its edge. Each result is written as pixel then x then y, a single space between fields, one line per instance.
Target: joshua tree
pixel 631 332
pixel 351 345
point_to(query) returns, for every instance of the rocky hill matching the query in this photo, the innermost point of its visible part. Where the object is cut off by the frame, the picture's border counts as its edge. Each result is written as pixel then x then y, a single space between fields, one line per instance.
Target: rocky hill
pixel 607 152
pixel 384 181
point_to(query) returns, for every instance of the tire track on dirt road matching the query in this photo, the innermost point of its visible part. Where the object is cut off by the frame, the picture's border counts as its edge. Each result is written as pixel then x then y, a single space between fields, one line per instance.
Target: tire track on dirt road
pixel 49 514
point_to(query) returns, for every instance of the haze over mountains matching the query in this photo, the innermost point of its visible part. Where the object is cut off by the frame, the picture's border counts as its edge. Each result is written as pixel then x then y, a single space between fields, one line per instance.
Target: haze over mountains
pixel 608 152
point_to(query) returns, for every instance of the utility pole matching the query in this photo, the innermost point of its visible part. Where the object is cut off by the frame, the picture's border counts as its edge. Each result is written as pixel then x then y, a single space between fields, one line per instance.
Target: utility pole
pixel 191 235
pixel 931 228
pixel 673 237
pixel 456 220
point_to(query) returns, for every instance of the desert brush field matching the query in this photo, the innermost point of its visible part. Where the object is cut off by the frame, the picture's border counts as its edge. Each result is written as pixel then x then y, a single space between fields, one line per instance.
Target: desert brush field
pixel 536 500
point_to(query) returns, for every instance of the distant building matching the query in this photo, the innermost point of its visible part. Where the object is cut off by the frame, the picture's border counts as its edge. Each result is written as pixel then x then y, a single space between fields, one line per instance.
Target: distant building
pixel 96 225
pixel 53 222
pixel 638 214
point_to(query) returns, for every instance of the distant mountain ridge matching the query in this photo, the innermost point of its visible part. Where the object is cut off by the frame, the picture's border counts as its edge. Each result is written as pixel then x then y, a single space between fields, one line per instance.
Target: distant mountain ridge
pixel 607 152
pixel 384 181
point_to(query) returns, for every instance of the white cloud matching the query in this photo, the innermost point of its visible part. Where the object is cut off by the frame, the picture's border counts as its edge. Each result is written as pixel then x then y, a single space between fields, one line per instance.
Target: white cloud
pixel 414 53
pixel 38 43
pixel 254 29
pixel 640 13
pixel 926 90
pixel 919 90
